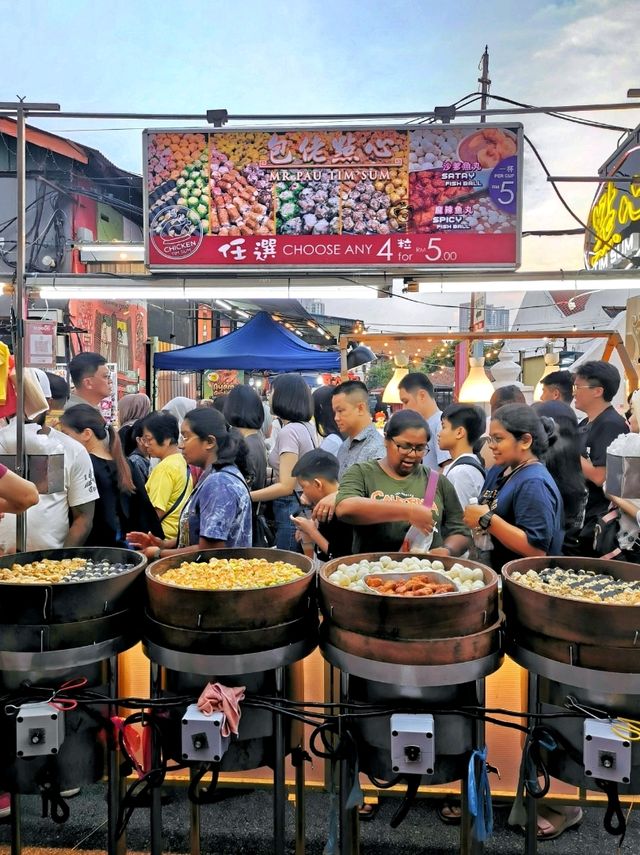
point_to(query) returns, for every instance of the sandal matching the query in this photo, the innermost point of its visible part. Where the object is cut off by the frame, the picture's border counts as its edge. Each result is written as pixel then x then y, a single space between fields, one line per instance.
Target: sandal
pixel 554 821
pixel 368 811
pixel 449 812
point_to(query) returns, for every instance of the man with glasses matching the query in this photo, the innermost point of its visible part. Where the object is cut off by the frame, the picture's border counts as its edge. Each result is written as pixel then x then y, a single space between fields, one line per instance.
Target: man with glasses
pixel 595 384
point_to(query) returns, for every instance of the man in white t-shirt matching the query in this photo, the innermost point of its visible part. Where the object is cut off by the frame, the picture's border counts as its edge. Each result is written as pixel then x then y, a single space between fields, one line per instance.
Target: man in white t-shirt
pixel 60 519
pixel 462 427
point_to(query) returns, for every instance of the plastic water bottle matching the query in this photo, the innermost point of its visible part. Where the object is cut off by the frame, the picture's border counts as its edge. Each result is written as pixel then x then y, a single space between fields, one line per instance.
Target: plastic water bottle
pixel 481 538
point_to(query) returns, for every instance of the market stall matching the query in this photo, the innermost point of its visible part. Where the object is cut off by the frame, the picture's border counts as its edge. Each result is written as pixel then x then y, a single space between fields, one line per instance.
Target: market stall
pixel 261 344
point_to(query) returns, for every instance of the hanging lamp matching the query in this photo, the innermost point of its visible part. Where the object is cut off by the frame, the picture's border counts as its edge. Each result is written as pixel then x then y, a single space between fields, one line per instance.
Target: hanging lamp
pixel 477 388
pixel 391 394
pixel 551 365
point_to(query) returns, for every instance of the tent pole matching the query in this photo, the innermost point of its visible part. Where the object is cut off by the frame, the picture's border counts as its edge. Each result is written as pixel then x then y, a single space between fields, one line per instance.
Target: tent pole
pixel 344 371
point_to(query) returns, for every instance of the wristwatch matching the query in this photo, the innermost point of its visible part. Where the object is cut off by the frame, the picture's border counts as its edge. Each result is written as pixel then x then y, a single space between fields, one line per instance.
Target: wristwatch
pixel 485 520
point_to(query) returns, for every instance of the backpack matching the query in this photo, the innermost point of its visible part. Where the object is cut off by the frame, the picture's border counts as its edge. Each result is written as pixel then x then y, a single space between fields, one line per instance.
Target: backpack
pixel 467 460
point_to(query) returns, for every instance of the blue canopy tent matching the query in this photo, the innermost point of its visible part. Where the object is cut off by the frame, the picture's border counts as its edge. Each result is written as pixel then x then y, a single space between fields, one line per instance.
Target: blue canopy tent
pixel 260 345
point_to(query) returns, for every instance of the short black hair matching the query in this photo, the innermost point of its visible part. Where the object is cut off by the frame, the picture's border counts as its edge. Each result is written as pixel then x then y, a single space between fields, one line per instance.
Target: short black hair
pixel 59 387
pixel 406 420
pixel 355 388
pixel 85 365
pixel 231 447
pixel 243 408
pixel 218 403
pixel 510 394
pixel 291 398
pixel 563 381
pixel 469 417
pixel 316 464
pixel 600 373
pixel 162 426
pixel 323 411
pixel 415 380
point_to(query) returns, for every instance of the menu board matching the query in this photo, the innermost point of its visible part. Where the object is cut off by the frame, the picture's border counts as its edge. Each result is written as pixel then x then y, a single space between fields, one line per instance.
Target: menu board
pixel 435 196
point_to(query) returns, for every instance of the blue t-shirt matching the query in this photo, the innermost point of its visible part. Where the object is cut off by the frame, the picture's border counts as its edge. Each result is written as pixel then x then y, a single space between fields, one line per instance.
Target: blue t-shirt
pixel 530 500
pixel 220 509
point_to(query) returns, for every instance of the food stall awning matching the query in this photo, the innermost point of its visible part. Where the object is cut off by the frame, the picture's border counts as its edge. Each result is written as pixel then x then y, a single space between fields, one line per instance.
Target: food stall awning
pixel 260 345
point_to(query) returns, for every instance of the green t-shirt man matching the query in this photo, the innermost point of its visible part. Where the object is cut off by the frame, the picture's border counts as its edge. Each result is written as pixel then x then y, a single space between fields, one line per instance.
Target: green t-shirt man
pixel 369 481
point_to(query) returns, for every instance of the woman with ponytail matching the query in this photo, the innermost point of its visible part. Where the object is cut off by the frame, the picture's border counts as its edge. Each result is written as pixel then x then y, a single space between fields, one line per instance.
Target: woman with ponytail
pixel 520 506
pixel 218 513
pixel 113 476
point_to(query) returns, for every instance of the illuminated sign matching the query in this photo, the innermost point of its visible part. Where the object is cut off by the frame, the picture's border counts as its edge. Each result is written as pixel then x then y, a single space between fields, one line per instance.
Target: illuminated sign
pixel 613 237
pixel 433 196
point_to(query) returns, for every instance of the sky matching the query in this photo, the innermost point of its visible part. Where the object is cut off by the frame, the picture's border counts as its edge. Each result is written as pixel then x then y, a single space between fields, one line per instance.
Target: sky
pixel 338 56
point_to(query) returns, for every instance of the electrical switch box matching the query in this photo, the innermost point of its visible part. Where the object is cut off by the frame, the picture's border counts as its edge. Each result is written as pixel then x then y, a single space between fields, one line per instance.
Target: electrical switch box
pixel 606 755
pixel 39 730
pixel 202 738
pixel 412 744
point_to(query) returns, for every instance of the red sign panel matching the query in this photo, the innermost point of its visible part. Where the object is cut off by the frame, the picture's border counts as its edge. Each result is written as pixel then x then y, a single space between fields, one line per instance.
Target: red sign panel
pixel 428 197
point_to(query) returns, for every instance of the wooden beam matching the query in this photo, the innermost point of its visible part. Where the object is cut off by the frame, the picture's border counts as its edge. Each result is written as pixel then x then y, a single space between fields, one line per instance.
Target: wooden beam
pixel 494 335
pixel 627 363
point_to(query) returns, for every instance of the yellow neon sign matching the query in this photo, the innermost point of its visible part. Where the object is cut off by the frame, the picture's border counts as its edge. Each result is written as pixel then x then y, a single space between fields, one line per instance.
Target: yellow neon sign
pixel 614 209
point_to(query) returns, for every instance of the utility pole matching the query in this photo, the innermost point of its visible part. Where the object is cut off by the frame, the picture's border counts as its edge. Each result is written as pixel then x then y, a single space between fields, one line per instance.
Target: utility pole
pixel 21 109
pixel 485 83
pixel 478 301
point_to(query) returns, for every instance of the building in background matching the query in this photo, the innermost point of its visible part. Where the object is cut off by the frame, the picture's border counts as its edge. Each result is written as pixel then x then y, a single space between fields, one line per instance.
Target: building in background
pixel 496 318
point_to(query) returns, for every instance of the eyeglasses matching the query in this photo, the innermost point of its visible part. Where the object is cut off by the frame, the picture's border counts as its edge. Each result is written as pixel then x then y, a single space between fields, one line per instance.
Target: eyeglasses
pixel 406 447
pixel 496 440
pixel 587 386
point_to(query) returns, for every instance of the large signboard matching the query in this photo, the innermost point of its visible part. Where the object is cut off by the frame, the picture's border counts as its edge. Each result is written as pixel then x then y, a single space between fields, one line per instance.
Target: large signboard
pixel 440 196
pixel 612 240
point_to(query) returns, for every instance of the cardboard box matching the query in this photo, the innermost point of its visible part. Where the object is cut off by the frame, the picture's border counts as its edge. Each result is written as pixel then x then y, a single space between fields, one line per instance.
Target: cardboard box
pixel 623 476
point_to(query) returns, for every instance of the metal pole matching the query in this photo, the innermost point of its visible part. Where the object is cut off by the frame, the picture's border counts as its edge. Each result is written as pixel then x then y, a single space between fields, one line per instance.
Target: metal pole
pixel 16 834
pixel 531 833
pixel 279 794
pixel 21 109
pixel 156 804
pixel 484 81
pixel 300 819
pixel 465 824
pixel 477 847
pixel 194 821
pixel 115 785
pixel 19 309
pixel 348 833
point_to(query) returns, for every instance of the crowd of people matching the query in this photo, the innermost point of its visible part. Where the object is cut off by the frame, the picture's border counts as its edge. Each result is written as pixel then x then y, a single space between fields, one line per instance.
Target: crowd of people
pixel 317 472
pixel 527 482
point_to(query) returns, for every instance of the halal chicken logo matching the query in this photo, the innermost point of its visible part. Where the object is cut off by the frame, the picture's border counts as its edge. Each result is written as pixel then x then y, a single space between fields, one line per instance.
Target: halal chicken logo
pixel 175 232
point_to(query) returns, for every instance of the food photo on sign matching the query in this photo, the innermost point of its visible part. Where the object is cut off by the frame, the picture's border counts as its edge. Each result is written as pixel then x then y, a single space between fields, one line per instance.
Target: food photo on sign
pixel 375 197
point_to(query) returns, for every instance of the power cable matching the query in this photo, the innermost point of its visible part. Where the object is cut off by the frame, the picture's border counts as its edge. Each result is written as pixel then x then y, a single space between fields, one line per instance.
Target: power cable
pixel 568 208
pixel 578 121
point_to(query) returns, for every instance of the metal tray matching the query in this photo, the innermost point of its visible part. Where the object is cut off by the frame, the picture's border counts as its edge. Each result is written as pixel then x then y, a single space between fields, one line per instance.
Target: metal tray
pixel 434 576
